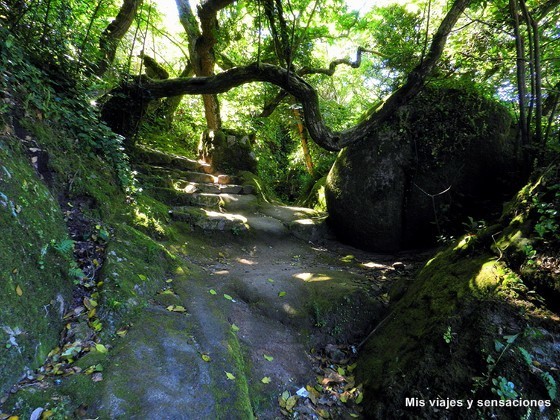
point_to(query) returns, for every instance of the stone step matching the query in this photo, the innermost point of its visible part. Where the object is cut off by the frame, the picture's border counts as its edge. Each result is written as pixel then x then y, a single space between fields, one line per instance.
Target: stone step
pixel 210 220
pixel 186 175
pixel 174 197
pixel 197 187
pixel 146 155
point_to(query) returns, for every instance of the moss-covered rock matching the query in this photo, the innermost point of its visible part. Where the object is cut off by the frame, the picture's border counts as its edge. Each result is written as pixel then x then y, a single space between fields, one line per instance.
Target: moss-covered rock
pixel 228 151
pixel 468 322
pixel 35 287
pixel 446 156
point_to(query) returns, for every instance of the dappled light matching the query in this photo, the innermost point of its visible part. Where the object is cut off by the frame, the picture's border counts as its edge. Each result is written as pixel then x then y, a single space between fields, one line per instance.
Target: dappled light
pixel 312 277
pixel 246 261
pixel 279 209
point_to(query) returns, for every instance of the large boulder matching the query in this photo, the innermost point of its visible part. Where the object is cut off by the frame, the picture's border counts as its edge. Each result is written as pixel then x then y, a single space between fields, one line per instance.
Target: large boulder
pixel 447 156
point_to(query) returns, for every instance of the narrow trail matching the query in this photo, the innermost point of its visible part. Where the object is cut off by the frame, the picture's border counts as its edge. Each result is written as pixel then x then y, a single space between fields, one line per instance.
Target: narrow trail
pixel 262 304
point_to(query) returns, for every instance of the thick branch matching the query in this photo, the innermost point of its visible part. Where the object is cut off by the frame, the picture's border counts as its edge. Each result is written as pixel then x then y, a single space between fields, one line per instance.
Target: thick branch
pixel 270 106
pixel 306 94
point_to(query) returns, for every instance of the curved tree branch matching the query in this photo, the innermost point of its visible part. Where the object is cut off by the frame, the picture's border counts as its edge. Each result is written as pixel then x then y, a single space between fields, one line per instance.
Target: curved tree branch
pixel 271 106
pixel 306 94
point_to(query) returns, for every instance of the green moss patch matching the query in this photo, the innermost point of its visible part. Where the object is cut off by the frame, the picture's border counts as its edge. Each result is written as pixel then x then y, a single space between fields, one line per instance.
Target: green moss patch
pixel 34 283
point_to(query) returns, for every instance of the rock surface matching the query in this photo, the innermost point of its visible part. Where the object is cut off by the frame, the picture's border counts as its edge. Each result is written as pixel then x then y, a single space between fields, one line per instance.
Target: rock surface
pixel 413 180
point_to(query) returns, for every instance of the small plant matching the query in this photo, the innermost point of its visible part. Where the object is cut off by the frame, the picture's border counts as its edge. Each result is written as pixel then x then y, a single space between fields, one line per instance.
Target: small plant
pixel 530 254
pixel 550 384
pixel 548 220
pixel 504 388
pixel 474 226
pixel 448 335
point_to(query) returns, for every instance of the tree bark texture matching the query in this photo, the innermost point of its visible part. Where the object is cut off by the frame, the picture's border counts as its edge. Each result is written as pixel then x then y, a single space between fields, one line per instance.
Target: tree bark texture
pixel 202 40
pixel 114 32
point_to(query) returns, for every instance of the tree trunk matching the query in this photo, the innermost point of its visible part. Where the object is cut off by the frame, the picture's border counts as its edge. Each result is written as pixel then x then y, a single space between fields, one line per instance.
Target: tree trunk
pixel 201 42
pixel 114 32
pixel 521 79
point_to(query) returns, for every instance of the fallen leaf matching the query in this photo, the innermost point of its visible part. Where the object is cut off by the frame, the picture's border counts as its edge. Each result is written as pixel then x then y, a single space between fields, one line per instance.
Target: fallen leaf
pixel 142 277
pixel 282 294
pixel 354 416
pixel 94 368
pixel 101 348
pixel 97 377
pixel 168 280
pixel 18 290
pixel 212 292
pixel 234 328
pixel 324 414
pixel 341 371
pixel 359 398
pixel 230 376
pixel 270 281
pixel 122 332
pixel 269 358
pixel 285 395
pixel 176 308
pixel 352 367
pixel 291 402
pixel 228 297
pixel 167 292
pixel 344 397
pixel 265 380
pixel 205 357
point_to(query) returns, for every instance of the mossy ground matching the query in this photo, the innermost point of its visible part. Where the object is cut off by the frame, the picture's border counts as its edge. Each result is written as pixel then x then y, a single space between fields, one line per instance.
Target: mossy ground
pixel 447 336
pixel 35 288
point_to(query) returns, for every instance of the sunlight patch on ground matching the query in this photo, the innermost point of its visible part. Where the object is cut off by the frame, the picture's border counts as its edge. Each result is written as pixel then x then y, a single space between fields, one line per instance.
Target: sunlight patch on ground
pixel 246 261
pixel 376 266
pixel 311 277
pixel 289 309
pixel 221 272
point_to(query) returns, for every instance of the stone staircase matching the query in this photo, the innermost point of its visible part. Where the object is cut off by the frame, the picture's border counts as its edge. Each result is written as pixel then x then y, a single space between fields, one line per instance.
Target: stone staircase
pixel 212 201
pixel 198 195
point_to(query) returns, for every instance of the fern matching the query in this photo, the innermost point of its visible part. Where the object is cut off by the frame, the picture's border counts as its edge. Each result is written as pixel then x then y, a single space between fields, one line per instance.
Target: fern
pixel 550 384
pixel 65 247
pixel 76 272
pixel 526 356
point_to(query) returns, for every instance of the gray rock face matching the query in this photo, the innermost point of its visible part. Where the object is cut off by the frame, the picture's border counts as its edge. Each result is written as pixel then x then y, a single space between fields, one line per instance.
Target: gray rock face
pixel 446 156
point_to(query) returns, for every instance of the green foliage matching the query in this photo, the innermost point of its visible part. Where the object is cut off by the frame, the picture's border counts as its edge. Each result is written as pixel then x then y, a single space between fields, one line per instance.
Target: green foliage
pixel 448 335
pixel 550 384
pixel 70 111
pixel 504 388
pixel 546 205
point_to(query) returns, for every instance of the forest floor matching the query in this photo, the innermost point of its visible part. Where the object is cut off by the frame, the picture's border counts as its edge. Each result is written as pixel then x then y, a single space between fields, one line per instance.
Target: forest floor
pixel 263 324
pixel 266 315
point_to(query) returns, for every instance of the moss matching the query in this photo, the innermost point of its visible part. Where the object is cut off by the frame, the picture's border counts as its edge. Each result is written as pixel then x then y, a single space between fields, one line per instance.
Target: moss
pixel 316 197
pixel 262 190
pixel 243 406
pixel 34 282
pixel 136 267
pixel 447 283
